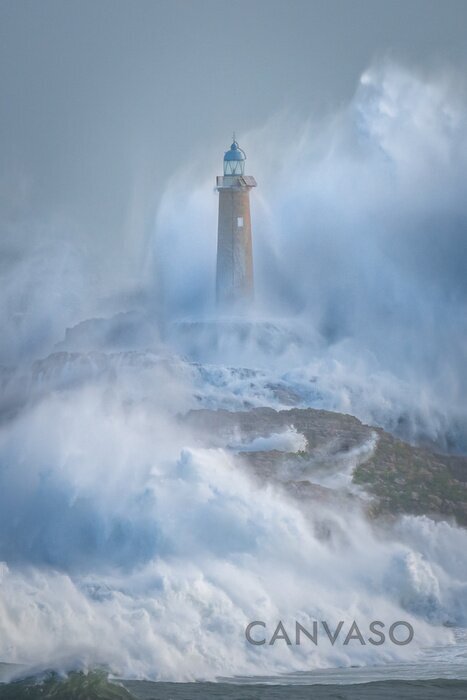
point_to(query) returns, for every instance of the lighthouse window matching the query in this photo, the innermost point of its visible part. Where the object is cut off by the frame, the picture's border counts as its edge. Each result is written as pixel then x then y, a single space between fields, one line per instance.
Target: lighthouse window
pixel 239 221
pixel 234 167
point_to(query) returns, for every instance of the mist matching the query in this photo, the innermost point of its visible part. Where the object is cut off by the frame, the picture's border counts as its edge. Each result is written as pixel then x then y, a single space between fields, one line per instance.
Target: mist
pixel 127 539
pixel 360 246
pixel 129 542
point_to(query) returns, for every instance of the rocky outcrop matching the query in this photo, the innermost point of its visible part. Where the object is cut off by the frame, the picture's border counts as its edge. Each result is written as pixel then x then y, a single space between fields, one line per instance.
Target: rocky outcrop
pixel 400 477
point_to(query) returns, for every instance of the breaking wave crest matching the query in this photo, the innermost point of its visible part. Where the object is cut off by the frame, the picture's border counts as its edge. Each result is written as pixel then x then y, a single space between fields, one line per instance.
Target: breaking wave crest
pixel 130 541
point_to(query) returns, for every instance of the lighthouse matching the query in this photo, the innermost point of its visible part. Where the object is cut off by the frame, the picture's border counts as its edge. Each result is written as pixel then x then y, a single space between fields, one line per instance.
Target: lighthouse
pixel 234 278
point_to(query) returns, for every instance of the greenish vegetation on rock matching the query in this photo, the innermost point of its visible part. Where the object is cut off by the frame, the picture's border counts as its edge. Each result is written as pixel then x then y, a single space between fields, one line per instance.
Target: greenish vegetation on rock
pixel 408 479
pixel 402 478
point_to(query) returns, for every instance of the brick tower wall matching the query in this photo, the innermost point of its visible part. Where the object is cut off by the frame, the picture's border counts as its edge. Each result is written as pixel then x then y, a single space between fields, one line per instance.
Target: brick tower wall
pixel 234 280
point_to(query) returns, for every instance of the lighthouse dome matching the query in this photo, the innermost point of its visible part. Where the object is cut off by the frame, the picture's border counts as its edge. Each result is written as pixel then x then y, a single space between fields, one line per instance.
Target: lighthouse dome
pixel 234 160
pixel 235 153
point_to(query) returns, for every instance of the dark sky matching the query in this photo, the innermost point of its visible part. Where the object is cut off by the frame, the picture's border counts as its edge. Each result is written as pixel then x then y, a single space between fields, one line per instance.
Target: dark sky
pixel 102 101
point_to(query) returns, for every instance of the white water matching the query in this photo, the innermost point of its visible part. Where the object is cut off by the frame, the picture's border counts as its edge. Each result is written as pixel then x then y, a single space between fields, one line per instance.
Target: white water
pixel 129 542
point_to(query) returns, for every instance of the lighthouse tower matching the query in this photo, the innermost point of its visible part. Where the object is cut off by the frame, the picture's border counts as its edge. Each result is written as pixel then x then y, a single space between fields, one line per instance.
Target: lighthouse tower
pixel 234 280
